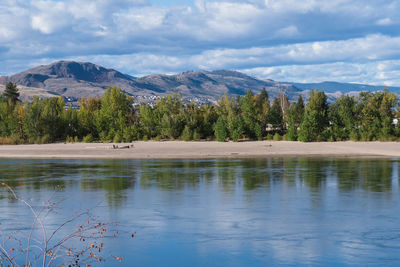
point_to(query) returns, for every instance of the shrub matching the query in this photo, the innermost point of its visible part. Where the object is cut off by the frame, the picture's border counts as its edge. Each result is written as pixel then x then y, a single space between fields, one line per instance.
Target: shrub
pixel 196 136
pixel 236 135
pixel 156 138
pixel 117 138
pixel 45 139
pixel 5 141
pixel 58 243
pixel 104 137
pixel 131 133
pixel 277 137
pixel 16 140
pixel 88 138
pixel 187 134
pixel 292 133
pixel 354 135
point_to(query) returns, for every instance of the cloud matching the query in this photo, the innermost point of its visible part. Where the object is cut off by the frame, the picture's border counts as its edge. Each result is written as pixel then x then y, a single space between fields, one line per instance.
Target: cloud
pixel 385 72
pixel 384 21
pixel 141 37
pixel 50 16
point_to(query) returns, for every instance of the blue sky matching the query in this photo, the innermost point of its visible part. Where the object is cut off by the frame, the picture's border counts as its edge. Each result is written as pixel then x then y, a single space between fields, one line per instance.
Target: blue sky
pixel 286 40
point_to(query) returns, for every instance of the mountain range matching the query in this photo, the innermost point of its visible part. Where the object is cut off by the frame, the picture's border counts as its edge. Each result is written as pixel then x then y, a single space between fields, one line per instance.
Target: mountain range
pixel 74 80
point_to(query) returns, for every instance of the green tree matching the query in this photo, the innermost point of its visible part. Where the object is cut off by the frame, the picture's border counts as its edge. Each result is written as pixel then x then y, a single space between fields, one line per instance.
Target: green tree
pixel 344 117
pixel 250 115
pixel 221 132
pixel 264 108
pixel 51 119
pixel 147 121
pixel 11 92
pixel 32 122
pixel 294 116
pixel 87 117
pixel 377 112
pixel 209 117
pixel 315 118
pixel 275 115
pixel 116 114
pixel 169 114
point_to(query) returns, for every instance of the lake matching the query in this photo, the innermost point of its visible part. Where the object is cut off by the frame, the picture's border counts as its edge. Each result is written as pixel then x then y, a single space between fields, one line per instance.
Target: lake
pixel 219 212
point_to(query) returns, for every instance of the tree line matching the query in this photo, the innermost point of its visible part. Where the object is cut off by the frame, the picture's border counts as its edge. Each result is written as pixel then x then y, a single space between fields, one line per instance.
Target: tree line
pixel 114 118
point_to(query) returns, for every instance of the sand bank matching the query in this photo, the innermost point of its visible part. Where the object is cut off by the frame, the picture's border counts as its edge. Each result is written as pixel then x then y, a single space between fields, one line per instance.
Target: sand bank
pixel 179 149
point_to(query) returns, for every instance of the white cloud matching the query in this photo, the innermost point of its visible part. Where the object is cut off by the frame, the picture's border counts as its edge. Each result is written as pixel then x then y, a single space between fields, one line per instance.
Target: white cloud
pixel 50 16
pixel 216 34
pixel 145 18
pixel 384 21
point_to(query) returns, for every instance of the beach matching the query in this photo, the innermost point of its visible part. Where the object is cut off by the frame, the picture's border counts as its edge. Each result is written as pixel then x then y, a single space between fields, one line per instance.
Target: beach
pixel 202 150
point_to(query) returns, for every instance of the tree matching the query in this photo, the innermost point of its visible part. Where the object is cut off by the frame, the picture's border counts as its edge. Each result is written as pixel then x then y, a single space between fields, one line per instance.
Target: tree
pixel 88 112
pixel 293 117
pixel 209 117
pixel 11 92
pixel 169 114
pixel 377 111
pixel 299 110
pixel 315 118
pixel 275 114
pixel 114 114
pixel 221 132
pixel 249 114
pixel 264 109
pixel 343 116
pixel 148 121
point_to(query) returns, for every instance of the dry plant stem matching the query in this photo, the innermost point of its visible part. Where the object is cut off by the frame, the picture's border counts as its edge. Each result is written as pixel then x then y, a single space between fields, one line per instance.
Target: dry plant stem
pixel 37 218
pixel 63 241
pixel 30 235
pixel 93 230
pixel 8 257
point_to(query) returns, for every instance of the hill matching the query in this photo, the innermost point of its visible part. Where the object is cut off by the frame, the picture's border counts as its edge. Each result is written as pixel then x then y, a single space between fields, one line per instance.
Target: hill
pixel 82 79
pixel 74 80
pixel 332 87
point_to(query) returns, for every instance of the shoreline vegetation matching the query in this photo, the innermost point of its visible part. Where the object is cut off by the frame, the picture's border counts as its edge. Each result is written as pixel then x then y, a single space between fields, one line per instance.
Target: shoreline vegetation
pixel 116 118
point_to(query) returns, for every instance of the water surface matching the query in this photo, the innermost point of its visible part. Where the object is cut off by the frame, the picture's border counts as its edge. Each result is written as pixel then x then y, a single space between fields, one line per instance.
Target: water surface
pixel 244 212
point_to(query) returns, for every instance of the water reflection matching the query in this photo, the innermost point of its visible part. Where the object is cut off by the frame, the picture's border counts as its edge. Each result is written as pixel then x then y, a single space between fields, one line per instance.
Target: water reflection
pixel 234 212
pixel 113 177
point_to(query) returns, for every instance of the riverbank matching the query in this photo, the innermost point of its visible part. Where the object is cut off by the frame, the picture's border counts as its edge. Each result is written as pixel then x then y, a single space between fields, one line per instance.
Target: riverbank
pixel 180 149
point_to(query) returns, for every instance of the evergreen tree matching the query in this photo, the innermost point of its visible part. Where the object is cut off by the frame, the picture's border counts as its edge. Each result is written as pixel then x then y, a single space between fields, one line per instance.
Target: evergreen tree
pixel 220 130
pixel 11 92
pixel 293 118
pixel 264 108
pixel 299 110
pixel 275 115
pixel 209 116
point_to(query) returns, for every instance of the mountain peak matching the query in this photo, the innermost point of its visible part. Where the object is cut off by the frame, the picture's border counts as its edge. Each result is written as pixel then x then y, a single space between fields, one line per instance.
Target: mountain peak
pixel 77 71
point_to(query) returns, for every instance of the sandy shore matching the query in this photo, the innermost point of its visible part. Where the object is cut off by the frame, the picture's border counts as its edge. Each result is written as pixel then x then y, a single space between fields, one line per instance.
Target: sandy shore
pixel 178 149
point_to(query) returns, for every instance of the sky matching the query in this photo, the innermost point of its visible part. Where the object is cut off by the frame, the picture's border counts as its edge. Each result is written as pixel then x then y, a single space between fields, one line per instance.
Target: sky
pixel 285 40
